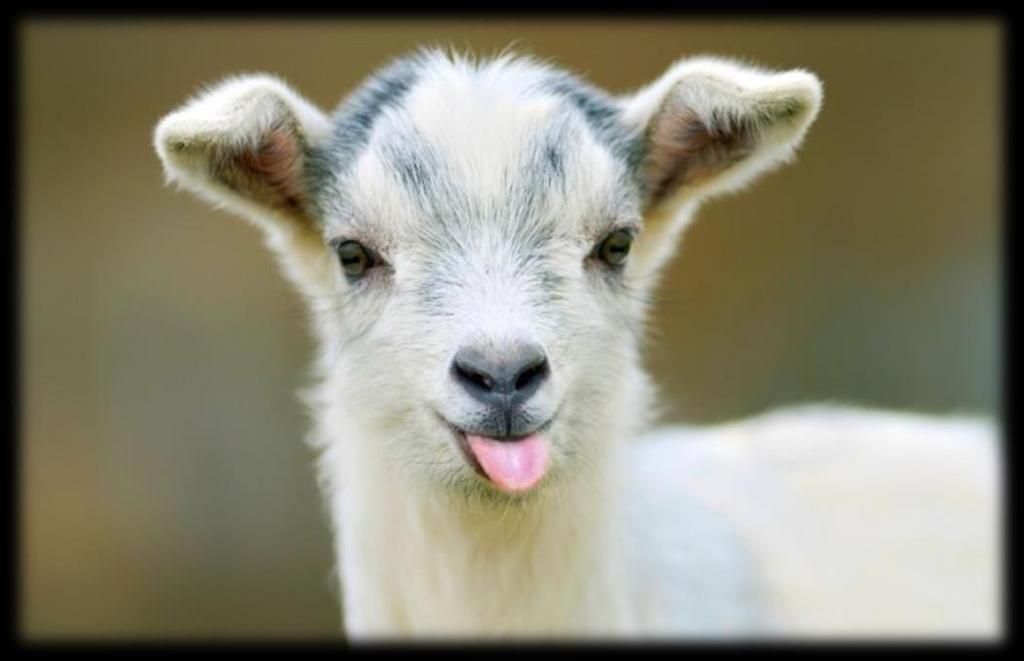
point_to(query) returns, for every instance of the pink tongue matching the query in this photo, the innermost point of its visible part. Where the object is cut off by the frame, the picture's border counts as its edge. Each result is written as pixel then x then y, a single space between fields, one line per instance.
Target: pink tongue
pixel 512 465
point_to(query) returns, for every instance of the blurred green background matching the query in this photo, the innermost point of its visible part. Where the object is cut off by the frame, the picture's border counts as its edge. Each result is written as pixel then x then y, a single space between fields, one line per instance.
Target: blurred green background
pixel 165 487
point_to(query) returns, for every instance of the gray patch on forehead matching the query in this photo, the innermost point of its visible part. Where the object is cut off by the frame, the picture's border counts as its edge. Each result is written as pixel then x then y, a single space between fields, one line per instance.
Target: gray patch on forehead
pixel 546 162
pixel 353 123
pixel 447 203
pixel 555 152
pixel 420 167
pixel 602 115
pixel 415 164
pixel 554 158
pixel 422 170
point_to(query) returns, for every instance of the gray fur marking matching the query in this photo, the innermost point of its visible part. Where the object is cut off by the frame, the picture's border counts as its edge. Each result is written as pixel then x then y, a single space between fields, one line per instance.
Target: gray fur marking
pixel 355 118
pixel 602 115
pixel 353 122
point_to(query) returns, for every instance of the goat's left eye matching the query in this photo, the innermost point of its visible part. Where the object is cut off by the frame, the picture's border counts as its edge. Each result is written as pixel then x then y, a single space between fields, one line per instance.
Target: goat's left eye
pixel 355 258
pixel 614 249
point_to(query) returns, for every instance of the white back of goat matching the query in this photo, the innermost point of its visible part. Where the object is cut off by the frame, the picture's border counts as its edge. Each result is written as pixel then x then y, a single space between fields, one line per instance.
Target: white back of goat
pixel 460 231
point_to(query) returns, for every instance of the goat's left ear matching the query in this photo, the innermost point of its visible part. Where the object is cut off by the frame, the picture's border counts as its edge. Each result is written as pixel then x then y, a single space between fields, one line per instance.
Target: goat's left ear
pixel 711 125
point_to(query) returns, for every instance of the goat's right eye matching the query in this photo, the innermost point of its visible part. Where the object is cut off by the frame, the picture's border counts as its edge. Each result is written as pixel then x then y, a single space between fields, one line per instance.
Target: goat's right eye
pixel 355 258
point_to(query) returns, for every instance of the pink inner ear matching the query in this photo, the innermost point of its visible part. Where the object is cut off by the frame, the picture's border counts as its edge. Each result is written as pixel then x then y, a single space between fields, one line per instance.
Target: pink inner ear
pixel 684 150
pixel 275 167
pixel 676 141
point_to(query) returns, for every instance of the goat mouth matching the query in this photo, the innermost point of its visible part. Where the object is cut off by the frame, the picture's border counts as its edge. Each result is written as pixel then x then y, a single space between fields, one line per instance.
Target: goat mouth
pixel 512 464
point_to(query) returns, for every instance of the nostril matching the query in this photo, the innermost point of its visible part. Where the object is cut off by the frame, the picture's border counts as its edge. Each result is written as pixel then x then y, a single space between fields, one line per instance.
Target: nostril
pixel 474 377
pixel 532 375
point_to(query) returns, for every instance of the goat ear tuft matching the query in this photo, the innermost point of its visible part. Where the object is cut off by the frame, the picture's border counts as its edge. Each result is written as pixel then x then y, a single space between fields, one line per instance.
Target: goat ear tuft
pixel 712 125
pixel 243 144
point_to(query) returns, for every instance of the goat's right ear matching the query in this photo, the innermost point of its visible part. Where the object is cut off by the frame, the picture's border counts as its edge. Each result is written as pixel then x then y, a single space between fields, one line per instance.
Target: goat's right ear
pixel 242 145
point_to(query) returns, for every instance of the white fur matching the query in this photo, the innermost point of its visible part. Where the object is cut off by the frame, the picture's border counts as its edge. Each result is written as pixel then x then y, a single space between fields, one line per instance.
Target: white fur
pixel 815 521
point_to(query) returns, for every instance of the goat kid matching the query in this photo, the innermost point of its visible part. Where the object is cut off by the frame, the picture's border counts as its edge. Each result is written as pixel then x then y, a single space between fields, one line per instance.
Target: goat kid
pixel 476 242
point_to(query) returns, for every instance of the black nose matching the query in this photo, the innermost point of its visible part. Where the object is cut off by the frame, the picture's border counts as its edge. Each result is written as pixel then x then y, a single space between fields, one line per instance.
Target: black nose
pixel 504 379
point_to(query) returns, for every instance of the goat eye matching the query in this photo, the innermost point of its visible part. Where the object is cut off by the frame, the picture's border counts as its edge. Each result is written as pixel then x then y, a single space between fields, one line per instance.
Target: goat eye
pixel 614 249
pixel 355 258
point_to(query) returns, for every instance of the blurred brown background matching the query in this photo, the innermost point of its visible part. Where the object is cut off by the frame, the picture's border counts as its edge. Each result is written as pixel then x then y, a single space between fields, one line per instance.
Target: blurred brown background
pixel 166 489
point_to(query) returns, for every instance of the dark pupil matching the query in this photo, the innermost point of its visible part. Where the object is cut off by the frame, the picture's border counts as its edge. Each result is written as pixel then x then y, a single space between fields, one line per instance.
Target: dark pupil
pixel 354 259
pixel 616 247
